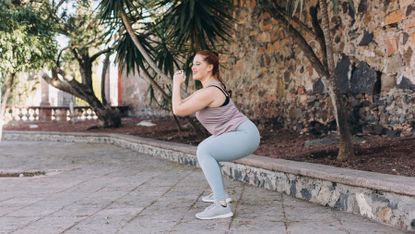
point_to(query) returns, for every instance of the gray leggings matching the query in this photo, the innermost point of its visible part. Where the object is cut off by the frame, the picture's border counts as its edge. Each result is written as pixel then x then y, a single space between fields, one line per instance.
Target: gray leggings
pixel 225 147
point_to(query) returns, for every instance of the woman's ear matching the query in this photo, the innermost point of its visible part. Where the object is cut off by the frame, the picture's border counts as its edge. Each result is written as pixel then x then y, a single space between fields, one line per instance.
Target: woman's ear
pixel 210 67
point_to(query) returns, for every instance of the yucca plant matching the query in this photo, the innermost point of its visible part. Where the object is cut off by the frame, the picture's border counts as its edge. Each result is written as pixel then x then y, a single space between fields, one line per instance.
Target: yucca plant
pixel 159 37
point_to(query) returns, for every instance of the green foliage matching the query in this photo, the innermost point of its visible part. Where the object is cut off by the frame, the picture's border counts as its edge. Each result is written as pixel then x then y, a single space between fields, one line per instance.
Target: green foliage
pixel 129 55
pixel 171 30
pixel 109 9
pixel 199 24
pixel 26 41
pixel 83 27
pixel 26 86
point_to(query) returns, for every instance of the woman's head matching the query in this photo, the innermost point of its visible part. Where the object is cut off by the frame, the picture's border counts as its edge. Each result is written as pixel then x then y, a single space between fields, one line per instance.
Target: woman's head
pixel 205 64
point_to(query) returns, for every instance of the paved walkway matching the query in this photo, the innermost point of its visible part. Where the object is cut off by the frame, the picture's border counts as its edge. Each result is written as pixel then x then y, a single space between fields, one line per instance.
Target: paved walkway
pixel 105 189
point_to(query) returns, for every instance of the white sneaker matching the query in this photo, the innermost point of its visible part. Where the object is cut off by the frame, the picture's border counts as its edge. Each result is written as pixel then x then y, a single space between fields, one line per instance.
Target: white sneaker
pixel 215 211
pixel 209 198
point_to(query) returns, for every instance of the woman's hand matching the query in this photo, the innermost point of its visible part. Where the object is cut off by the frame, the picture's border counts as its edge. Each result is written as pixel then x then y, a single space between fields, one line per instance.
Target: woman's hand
pixel 179 77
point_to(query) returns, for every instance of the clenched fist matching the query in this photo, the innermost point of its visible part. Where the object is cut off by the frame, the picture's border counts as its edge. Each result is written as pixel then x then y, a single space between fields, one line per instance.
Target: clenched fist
pixel 179 77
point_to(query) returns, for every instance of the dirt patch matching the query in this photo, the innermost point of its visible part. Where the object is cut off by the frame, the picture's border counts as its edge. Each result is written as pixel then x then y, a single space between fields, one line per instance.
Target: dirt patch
pixel 373 153
pixel 22 174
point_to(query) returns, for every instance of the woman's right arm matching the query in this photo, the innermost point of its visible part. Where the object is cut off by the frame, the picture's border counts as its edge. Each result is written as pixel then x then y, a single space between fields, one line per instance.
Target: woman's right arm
pixel 195 102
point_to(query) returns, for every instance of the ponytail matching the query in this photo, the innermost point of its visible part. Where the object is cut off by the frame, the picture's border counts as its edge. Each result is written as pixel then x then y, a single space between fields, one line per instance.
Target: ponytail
pixel 213 59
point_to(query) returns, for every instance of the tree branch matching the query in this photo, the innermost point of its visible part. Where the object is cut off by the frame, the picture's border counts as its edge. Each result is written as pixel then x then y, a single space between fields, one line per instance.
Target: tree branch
pixel 103 76
pixel 69 86
pixel 298 38
pixel 59 56
pixel 76 54
pixel 294 19
pixel 58 5
pixel 139 46
pixel 96 55
pixel 319 32
pixel 147 77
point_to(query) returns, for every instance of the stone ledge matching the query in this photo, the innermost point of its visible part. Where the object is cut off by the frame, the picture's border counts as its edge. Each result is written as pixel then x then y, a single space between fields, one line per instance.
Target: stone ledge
pixel 383 182
pixel 388 183
pixel 387 199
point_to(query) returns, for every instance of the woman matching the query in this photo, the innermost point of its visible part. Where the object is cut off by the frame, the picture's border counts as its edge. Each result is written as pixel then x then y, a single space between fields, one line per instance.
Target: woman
pixel 233 135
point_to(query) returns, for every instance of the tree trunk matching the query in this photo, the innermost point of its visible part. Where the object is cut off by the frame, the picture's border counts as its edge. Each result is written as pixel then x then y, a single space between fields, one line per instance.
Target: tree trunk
pixel 340 112
pixel 3 101
pixel 109 117
pixel 105 67
pixel 140 47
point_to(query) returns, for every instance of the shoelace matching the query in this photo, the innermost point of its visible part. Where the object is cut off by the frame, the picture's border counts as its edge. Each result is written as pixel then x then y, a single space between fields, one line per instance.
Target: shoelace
pixel 210 207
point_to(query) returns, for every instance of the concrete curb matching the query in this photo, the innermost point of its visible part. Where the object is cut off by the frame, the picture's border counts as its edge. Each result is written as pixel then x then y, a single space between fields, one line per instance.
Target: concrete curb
pixel 387 199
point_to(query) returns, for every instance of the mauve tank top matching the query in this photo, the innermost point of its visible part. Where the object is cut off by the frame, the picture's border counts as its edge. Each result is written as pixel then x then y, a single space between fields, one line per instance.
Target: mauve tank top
pixel 218 120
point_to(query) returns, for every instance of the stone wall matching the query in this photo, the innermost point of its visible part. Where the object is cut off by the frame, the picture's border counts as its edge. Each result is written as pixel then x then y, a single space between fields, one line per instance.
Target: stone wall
pixel 273 82
pixel 272 79
pixel 135 94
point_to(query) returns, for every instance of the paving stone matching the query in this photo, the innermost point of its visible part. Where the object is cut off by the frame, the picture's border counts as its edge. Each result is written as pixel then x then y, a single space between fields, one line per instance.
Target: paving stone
pixel 106 189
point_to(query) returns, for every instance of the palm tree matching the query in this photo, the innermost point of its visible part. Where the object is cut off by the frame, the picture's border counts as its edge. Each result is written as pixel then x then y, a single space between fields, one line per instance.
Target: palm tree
pixel 161 36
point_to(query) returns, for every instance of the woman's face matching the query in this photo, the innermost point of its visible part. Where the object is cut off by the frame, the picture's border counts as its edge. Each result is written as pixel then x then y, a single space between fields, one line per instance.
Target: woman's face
pixel 201 69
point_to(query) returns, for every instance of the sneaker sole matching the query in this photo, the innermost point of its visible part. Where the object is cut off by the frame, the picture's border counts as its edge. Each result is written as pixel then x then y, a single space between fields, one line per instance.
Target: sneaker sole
pixel 216 217
pixel 212 201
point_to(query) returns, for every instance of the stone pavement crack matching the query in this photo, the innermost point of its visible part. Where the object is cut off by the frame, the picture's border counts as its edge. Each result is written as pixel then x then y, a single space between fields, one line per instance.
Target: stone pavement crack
pixel 284 214
pixel 235 207
pixel 106 206
pixel 333 214
pixel 154 201
pixel 7 199
pixel 190 207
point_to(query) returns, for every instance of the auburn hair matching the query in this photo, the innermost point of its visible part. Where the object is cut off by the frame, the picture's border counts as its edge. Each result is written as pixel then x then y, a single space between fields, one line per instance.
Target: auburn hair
pixel 212 58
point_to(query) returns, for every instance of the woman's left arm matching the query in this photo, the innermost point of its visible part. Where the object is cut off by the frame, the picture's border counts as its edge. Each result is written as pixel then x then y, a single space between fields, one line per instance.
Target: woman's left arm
pixel 195 102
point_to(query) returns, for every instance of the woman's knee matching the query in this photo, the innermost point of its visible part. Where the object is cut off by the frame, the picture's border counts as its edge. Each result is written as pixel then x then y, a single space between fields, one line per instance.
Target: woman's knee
pixel 202 151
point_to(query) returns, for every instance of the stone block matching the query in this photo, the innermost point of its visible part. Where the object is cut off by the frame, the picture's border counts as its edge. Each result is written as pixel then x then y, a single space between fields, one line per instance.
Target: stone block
pixel 409 24
pixel 394 64
pixel 405 83
pixel 407 56
pixel 405 3
pixel 366 38
pixel 365 209
pixel 409 10
pixel 393 17
pixel 263 37
pixel 391 45
pixel 324 195
pixel 388 82
pixel 384 214
pixel 412 41
pixel 341 73
pixel 363 79
pixel 253 4
pixel 363 6
pixel 266 26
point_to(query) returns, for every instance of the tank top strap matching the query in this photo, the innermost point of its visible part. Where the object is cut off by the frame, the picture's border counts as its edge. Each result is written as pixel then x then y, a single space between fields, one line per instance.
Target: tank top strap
pixel 224 93
pixel 221 89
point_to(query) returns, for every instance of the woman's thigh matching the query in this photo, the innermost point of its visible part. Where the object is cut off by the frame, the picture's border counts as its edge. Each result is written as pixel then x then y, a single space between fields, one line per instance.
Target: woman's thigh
pixel 232 145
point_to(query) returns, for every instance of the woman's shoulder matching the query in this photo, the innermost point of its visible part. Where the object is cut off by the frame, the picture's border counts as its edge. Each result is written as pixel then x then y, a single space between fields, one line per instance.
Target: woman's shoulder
pixel 204 92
